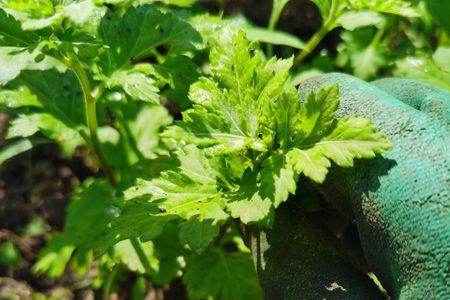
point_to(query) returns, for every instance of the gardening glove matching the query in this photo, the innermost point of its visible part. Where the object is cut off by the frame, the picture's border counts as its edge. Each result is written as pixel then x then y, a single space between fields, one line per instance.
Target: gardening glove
pixel 400 203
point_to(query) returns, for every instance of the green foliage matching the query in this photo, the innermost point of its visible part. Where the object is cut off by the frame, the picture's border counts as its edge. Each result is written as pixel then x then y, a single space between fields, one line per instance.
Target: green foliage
pixel 274 37
pixel 222 276
pixel 18 147
pixel 440 11
pixel 55 256
pixel 399 7
pixel 225 113
pixel 9 254
pixel 362 52
pixel 352 14
pixel 93 75
pixel 248 109
pixel 434 69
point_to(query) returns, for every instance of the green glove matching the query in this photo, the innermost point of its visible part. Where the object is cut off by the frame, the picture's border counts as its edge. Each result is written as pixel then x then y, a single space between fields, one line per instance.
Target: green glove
pixel 399 202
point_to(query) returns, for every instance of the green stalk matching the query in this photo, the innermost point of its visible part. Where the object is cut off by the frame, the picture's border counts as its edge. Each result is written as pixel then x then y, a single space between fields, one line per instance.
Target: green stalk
pixel 377 37
pixel 91 120
pixel 326 27
pixel 90 100
pixel 108 284
pixel 277 9
pixel 141 254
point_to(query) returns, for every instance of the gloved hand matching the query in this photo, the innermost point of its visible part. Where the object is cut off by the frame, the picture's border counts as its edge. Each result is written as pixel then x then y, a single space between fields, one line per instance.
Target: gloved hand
pixel 400 203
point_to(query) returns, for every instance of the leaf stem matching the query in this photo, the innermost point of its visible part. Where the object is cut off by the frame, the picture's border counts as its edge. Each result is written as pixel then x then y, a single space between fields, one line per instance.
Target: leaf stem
pixel 108 284
pixel 326 27
pixel 240 229
pixel 222 232
pixel 277 9
pixel 91 120
pixel 90 100
pixel 141 254
pixel 377 37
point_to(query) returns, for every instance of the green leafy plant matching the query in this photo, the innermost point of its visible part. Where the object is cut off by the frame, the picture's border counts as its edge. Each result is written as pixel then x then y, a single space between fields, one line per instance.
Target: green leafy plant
pixel 176 194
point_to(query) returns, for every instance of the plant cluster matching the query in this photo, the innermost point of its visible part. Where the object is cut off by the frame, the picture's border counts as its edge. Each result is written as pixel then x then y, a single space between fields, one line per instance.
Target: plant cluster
pixel 100 75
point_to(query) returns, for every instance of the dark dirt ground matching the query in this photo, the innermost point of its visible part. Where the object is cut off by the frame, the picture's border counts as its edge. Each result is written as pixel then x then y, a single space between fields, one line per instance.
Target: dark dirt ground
pixel 37 184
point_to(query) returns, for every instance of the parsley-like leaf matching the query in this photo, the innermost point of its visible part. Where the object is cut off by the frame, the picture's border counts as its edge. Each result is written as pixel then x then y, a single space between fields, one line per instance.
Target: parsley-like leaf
pixel 11 33
pixel 189 190
pixel 352 137
pixel 228 108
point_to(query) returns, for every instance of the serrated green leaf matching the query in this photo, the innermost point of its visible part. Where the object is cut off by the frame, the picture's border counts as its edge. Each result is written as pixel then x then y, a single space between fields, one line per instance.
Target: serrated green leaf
pixel 56 107
pixel 310 163
pixel 228 108
pixel 351 138
pixel 210 26
pixel 207 129
pixel 136 218
pixel 180 195
pixel 14 60
pixel 75 12
pixel 221 275
pixel 189 190
pixel 287 114
pixel 13 64
pixel 11 33
pixel 247 203
pixel 135 35
pixel 34 9
pixel 398 7
pixel 136 84
pixel 195 164
pixel 58 93
pixel 24 126
pixel 249 208
pixel 278 179
pixel 320 138
pixel 317 114
pixel 198 234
